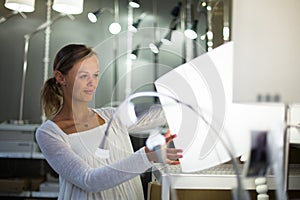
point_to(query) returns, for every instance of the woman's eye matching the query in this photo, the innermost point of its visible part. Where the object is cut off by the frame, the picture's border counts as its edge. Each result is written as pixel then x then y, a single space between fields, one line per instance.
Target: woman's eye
pixel 83 76
pixel 96 75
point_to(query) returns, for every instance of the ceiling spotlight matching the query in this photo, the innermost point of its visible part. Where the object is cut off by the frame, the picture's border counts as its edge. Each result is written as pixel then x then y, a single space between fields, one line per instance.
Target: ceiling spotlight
pixel 155 47
pixel 167 39
pixel 135 25
pixel 20 5
pixel 190 32
pixel 134 3
pixel 93 16
pixel 68 7
pixel 114 28
pixel 134 53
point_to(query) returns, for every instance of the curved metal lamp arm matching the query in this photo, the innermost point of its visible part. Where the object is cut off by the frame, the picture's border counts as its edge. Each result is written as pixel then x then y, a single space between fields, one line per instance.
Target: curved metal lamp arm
pixel 240 193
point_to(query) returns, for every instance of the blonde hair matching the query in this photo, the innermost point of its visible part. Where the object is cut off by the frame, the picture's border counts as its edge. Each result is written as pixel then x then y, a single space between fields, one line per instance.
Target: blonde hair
pixel 65 59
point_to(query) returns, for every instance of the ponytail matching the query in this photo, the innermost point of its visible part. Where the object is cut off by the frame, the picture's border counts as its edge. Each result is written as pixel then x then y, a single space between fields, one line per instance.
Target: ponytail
pixel 51 97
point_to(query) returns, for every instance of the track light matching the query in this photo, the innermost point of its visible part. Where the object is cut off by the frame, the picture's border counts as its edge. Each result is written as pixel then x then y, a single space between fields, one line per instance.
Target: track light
pixel 173 26
pixel 190 32
pixel 135 25
pixel 135 52
pixel 155 47
pixel 93 16
pixel 134 3
pixel 20 5
pixel 114 28
pixel 167 39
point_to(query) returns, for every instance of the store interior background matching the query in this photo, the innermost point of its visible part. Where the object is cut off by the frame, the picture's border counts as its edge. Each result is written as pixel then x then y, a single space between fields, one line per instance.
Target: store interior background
pixel 144 70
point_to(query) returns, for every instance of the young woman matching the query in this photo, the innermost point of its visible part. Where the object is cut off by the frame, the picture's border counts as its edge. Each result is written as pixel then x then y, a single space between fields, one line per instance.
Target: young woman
pixel 71 136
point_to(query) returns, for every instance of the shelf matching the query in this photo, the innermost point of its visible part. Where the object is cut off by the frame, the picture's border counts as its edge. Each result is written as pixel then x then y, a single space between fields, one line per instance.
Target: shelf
pixel 29 155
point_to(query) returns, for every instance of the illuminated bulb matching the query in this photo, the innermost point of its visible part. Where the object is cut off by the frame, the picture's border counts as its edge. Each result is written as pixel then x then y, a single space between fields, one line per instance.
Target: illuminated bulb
pixel 134 4
pixel 226 33
pixel 153 48
pixel 114 28
pixel 190 34
pixel 92 17
pixel 210 35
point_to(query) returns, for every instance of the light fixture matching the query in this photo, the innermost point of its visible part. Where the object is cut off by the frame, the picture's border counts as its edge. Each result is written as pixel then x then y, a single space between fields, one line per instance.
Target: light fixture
pixel 167 39
pixel 135 52
pixel 135 25
pixel 93 16
pixel 173 26
pixel 154 47
pixel 134 3
pixel 190 32
pixel 114 28
pixel 20 5
pixel 68 6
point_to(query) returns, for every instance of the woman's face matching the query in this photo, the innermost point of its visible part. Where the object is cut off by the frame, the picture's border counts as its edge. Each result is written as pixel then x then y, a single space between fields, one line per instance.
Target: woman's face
pixel 82 80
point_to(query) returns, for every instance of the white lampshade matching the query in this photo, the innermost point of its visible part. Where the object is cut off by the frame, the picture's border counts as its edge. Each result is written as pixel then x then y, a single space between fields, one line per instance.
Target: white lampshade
pixel 68 6
pixel 20 5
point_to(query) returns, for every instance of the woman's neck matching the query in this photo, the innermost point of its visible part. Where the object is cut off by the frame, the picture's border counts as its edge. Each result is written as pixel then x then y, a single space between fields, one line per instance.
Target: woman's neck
pixel 76 111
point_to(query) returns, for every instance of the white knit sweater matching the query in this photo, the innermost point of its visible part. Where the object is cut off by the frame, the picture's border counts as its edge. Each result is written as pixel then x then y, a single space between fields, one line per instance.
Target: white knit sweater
pixel 83 174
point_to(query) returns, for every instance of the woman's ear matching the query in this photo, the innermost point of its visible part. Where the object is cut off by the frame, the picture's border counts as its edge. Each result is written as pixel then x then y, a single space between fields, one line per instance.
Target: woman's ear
pixel 60 78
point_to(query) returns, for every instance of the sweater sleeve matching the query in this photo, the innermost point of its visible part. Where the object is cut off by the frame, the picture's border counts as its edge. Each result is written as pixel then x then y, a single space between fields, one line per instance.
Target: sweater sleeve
pixel 75 170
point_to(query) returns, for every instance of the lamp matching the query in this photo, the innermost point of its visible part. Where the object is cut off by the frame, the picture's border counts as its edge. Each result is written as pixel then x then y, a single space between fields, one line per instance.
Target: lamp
pixel 167 39
pixel 114 28
pixel 155 47
pixel 20 5
pixel 93 16
pixel 68 6
pixel 126 113
pixel 134 3
pixel 190 31
pixel 133 27
pixel 135 53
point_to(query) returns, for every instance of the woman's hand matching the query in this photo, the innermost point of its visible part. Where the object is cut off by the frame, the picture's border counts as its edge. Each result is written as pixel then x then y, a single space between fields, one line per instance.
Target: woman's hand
pixel 169 155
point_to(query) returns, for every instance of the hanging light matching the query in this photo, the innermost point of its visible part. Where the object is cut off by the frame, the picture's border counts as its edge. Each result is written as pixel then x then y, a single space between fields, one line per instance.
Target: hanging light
pixel 114 28
pixel 134 3
pixel 20 5
pixel 154 47
pixel 135 25
pixel 68 6
pixel 190 32
pixel 167 39
pixel 93 16
pixel 135 52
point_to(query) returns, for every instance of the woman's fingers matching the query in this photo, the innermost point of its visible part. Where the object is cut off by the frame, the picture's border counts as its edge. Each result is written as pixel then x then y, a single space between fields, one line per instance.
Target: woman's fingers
pixel 173 155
